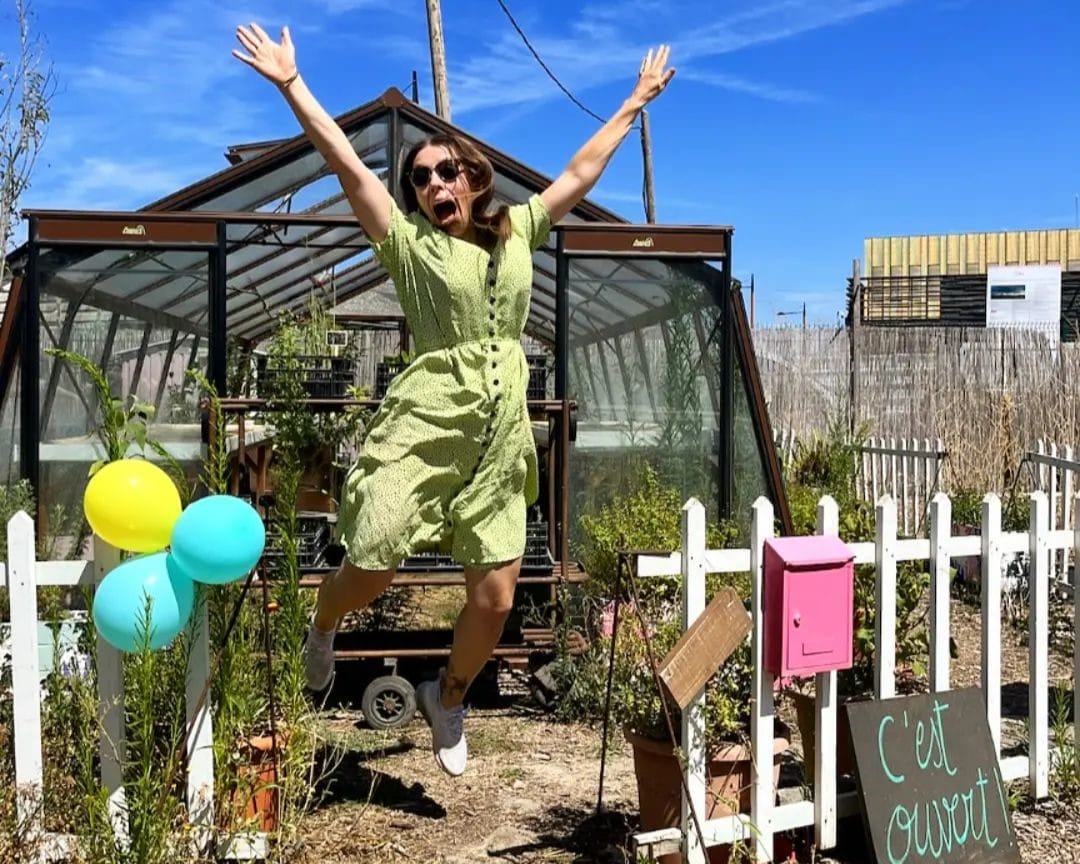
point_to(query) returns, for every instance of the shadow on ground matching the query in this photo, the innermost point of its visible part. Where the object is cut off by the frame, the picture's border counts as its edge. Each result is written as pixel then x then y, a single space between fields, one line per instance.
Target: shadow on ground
pixel 590 838
pixel 349 780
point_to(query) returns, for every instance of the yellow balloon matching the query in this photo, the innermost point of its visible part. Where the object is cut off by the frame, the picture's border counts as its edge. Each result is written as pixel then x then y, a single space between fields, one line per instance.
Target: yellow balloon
pixel 133 505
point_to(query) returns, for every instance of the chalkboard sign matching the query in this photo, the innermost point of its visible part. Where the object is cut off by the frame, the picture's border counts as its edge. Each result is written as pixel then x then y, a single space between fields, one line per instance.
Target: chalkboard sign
pixel 929 780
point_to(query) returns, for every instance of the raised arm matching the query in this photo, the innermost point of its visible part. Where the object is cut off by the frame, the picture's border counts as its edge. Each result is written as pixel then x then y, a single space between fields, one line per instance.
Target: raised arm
pixel 368 197
pixel 589 162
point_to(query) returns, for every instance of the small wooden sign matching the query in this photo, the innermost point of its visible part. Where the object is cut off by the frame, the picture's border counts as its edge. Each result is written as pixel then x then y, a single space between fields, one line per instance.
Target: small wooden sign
pixel 707 643
pixel 929 780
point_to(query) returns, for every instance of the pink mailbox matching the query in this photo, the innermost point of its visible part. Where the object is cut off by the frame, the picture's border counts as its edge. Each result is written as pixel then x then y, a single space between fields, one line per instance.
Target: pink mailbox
pixel 809 596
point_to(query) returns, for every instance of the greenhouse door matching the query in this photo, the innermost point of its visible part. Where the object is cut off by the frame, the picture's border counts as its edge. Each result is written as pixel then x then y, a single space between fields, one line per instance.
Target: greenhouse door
pixel 118 308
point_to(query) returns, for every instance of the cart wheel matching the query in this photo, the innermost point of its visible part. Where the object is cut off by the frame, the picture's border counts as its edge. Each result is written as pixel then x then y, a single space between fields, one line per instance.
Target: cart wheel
pixel 388 702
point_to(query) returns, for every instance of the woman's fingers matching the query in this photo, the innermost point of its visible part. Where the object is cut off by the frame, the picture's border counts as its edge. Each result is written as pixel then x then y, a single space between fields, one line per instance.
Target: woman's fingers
pixel 246 40
pixel 260 32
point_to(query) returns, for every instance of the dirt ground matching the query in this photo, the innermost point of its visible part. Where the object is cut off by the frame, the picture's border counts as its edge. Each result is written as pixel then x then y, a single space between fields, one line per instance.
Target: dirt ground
pixel 529 795
pixel 530 792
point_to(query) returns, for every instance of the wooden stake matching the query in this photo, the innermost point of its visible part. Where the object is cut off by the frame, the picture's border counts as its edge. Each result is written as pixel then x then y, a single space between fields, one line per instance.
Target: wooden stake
pixel 438 60
pixel 853 350
pixel 646 152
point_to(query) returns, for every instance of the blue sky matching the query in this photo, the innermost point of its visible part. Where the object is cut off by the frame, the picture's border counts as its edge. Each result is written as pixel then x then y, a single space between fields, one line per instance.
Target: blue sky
pixel 806 124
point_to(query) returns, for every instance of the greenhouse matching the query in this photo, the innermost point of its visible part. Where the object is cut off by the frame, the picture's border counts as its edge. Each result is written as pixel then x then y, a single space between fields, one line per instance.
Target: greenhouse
pixel 638 341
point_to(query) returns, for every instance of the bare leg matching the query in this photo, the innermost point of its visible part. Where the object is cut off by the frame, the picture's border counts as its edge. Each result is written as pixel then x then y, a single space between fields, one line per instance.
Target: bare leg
pixel 489 600
pixel 346 589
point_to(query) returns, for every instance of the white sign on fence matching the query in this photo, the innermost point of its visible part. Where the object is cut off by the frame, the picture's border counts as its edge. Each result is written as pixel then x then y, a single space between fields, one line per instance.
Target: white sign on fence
pixel 1025 295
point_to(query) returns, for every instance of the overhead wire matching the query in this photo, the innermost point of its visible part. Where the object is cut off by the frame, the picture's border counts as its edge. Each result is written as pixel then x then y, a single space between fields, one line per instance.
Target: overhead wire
pixel 544 65
pixel 561 86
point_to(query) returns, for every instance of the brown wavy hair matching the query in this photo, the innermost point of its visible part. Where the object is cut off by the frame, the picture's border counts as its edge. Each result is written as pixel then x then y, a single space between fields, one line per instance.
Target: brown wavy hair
pixel 491 227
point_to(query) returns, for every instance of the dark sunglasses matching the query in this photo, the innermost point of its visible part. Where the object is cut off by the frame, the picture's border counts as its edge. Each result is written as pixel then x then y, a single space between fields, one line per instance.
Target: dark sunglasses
pixel 447 170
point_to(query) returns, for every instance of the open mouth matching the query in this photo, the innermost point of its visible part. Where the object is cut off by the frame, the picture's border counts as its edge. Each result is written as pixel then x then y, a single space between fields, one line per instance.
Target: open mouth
pixel 444 210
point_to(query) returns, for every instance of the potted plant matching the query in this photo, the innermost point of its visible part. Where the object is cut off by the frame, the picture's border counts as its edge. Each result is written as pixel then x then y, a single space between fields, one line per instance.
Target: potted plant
pixel 648 516
pixel 311 352
pixel 642 710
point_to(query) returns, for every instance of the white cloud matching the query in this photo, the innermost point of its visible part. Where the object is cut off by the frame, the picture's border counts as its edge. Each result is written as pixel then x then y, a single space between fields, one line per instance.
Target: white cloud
pixel 147 105
pixel 104 183
pixel 751 88
pixel 507 74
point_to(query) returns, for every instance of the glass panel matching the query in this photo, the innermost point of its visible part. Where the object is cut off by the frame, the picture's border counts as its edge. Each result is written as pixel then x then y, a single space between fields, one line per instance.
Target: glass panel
pixel 10 427
pixel 146 283
pixel 750 477
pixel 644 366
pixel 271 191
pixel 138 353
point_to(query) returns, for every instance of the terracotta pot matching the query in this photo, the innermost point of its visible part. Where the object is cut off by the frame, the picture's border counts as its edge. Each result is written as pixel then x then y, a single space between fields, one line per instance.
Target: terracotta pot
pixel 805 705
pixel 660 790
pixel 260 776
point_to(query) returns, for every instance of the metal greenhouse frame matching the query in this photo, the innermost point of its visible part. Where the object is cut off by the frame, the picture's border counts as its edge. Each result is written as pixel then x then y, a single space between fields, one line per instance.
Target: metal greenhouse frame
pixel 208 270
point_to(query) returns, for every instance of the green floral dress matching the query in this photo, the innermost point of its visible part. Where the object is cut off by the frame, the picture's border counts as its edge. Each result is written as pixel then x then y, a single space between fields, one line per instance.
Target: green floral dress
pixel 449 460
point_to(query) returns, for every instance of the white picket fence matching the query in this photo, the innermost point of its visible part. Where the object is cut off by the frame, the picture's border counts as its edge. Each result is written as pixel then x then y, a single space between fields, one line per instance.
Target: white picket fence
pixel 22 576
pixel 765 819
pixel 908 470
pixel 1056 471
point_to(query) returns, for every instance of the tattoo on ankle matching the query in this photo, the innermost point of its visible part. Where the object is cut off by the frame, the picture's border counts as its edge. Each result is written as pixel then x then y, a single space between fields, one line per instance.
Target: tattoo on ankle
pixel 454 686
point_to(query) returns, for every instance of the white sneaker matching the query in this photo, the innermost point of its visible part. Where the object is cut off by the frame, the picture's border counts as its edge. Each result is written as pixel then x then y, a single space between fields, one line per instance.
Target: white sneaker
pixel 447 728
pixel 318 657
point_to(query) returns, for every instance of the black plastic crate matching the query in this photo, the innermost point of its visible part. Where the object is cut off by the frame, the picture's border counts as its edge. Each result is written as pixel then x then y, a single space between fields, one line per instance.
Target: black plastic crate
pixel 538 373
pixel 428 562
pixel 322 377
pixel 537 555
pixel 314 534
pixel 384 374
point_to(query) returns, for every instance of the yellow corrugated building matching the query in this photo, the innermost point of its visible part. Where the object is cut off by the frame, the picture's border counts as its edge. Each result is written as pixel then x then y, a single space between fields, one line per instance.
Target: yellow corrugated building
pixel 935 254
pixel 899 271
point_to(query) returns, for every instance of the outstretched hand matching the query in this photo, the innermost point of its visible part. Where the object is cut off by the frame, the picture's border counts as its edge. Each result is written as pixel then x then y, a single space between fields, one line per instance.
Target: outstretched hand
pixel 653 78
pixel 275 61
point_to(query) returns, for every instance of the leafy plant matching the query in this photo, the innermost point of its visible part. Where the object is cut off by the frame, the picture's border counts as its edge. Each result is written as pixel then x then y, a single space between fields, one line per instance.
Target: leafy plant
pixel 826 464
pixel 648 518
pixel 1065 774
pixel 403 358
pixel 639 704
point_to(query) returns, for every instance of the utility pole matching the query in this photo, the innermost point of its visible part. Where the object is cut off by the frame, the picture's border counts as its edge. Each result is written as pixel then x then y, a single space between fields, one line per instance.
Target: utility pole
pixel 646 153
pixel 752 304
pixel 438 60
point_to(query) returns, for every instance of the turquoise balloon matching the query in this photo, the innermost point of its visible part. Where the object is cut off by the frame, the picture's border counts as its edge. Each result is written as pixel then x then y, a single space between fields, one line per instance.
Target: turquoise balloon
pixel 120 601
pixel 218 539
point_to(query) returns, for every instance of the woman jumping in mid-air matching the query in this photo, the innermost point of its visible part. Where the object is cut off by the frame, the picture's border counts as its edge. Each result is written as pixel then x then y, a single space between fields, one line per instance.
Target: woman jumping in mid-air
pixel 449 458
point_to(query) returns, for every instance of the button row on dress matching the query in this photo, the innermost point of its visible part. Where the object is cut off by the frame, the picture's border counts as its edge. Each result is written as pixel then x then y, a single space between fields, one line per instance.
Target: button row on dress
pixel 494 349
